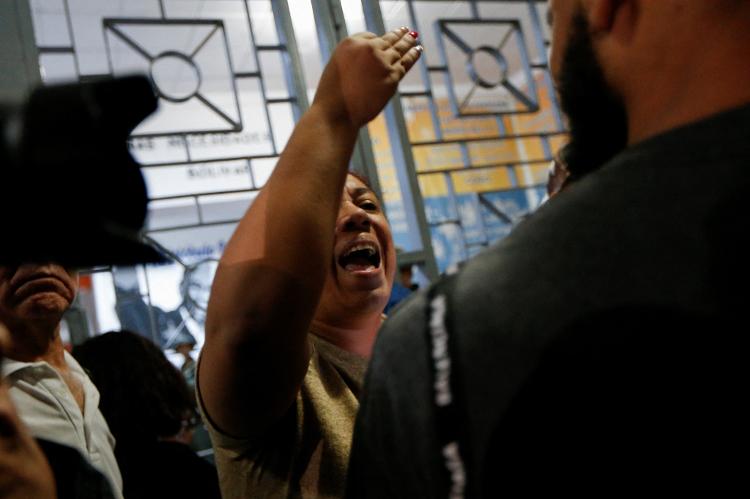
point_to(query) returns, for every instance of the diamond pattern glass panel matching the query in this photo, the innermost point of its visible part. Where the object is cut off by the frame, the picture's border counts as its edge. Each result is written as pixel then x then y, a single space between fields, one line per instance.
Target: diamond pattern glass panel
pixel 481 115
pixel 222 73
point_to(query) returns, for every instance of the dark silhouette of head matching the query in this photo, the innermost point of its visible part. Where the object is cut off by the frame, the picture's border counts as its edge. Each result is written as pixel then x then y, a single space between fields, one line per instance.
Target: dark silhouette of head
pixel 143 396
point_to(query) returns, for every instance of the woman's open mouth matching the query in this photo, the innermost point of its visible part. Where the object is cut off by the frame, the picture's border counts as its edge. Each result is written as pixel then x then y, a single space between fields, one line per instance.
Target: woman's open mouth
pixel 362 256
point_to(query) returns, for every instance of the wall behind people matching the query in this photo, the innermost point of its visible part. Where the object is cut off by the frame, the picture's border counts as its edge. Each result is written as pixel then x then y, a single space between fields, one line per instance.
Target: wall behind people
pixel 18 75
pixel 204 167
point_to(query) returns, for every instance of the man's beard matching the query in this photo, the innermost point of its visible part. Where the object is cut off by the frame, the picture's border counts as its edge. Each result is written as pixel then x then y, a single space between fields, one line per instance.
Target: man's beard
pixel 596 115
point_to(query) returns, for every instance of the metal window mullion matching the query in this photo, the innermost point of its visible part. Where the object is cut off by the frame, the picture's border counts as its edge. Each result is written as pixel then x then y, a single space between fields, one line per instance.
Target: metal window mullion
pixel 293 73
pixel 489 166
pixel 398 134
pixel 426 143
pixel 326 26
pixel 207 160
pixel 474 9
pixel 452 98
pixel 475 199
pixel 198 208
pixel 261 83
pixel 69 21
pixel 173 228
pixel 542 51
pixel 467 165
pixel 155 333
pixel 203 194
pixel 251 174
pixel 187 149
pixel 363 151
pixel 331 27
pixel 424 71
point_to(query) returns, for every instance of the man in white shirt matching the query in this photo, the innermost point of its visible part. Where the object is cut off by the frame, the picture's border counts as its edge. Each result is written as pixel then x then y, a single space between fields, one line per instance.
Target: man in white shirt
pixel 53 396
pixel 24 471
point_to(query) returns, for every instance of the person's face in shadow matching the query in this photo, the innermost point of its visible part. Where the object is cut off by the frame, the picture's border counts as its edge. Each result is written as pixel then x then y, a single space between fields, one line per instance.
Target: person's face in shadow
pixel 35 292
pixel 184 349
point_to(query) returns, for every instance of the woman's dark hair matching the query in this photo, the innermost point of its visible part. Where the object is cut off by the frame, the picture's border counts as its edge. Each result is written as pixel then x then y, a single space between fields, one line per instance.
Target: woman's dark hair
pixel 143 396
pixel 362 178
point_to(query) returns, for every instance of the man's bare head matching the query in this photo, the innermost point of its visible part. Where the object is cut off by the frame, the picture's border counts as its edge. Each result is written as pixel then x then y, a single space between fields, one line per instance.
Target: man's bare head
pixel 630 69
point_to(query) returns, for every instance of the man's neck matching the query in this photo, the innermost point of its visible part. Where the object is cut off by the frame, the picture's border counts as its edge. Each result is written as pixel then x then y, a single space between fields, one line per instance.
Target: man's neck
pixel 38 342
pixel 356 337
pixel 714 78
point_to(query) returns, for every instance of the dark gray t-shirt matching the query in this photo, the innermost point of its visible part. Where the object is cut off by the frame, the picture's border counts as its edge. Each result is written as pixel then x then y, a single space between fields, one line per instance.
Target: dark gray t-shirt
pixel 598 329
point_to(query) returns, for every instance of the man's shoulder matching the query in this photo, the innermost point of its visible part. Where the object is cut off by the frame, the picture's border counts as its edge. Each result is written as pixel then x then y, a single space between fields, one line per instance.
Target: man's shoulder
pixel 587 240
pixel 633 228
pixel 511 265
pixel 405 326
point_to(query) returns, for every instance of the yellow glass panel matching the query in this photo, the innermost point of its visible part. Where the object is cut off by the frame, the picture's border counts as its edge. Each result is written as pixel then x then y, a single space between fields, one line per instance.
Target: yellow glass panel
pixel 509 125
pixel 454 127
pixel 556 142
pixel 418 119
pixel 378 131
pixel 493 152
pixel 469 128
pixel 531 175
pixel 541 121
pixel 389 184
pixel 487 179
pixel 438 157
pixel 506 151
pixel 532 149
pixel 433 185
pixel 381 149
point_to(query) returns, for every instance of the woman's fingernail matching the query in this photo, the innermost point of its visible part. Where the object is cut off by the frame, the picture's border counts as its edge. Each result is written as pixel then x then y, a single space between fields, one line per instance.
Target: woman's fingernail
pixel 419 48
pixel 404 28
pixel 414 34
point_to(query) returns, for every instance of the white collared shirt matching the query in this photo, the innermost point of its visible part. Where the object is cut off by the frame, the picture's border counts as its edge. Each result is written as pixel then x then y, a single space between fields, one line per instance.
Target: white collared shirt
pixel 47 407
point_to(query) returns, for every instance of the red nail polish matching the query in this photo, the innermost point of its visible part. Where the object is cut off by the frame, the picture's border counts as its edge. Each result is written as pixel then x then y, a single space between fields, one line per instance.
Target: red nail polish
pixel 414 34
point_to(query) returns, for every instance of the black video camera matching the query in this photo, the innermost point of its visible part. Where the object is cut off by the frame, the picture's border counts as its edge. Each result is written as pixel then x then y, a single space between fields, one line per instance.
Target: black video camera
pixel 70 192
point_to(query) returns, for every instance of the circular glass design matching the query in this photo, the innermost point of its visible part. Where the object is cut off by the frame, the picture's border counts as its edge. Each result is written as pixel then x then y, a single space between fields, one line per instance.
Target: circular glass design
pixel 487 67
pixel 175 76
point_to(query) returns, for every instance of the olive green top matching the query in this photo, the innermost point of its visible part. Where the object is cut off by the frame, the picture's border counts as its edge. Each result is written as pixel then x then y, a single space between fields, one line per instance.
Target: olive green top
pixel 306 453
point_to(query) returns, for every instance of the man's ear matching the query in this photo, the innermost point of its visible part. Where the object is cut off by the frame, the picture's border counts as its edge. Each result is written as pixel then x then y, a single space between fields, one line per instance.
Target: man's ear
pixel 617 18
pixel 603 13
